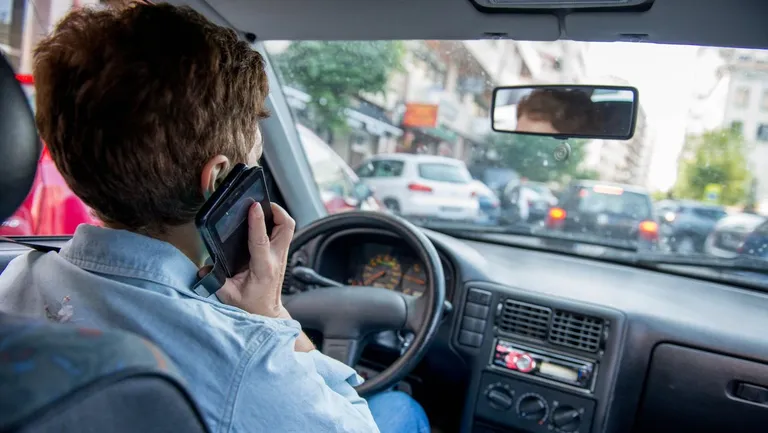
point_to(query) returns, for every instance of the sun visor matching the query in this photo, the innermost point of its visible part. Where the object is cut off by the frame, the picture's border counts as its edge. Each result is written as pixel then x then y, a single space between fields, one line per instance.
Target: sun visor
pixel 377 19
pixel 687 22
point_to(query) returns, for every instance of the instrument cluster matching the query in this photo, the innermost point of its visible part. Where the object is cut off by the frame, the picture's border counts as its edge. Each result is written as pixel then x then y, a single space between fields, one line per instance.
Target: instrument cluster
pixel 380 266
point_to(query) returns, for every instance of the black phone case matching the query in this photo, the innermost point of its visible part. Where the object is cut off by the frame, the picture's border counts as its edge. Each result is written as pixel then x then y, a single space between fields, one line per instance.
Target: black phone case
pixel 223 266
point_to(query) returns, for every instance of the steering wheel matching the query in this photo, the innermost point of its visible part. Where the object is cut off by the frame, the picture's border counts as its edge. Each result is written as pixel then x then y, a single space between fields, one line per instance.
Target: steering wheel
pixel 346 315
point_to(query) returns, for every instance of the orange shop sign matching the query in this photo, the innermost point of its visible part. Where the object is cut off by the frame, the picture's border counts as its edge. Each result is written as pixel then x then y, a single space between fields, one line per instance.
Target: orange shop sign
pixel 420 115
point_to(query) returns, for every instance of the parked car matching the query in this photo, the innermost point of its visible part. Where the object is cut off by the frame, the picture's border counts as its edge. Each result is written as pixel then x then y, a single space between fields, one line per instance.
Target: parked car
pixel 616 213
pixel 728 238
pixel 51 208
pixel 496 178
pixel 684 225
pixel 340 188
pixel 488 202
pixel 422 186
pixel 756 243
pixel 526 202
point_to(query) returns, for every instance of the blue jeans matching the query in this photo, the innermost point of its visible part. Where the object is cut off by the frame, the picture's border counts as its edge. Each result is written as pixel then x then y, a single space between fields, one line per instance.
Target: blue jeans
pixel 397 412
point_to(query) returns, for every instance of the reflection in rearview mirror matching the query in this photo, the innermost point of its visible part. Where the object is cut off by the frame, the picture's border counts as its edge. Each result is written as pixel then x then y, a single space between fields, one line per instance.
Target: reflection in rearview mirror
pixel 566 111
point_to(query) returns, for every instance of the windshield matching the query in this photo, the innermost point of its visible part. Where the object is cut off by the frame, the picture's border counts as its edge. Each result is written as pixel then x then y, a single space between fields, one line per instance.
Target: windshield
pixel 699 139
pixel 444 173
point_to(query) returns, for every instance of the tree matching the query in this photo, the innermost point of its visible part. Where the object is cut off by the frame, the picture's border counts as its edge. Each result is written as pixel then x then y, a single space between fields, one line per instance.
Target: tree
pixel 715 157
pixel 533 157
pixel 334 72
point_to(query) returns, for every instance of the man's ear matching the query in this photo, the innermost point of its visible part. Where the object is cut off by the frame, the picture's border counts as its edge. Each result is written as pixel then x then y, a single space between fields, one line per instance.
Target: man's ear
pixel 213 173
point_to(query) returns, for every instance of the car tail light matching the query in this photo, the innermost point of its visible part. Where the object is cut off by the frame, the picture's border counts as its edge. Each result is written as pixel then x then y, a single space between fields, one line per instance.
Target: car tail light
pixel 473 194
pixel 649 230
pixel 417 187
pixel 556 217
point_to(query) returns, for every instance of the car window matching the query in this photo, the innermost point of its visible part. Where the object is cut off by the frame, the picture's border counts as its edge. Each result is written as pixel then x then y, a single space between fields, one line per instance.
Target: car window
pixel 387 168
pixel 444 173
pixel 712 214
pixel 626 203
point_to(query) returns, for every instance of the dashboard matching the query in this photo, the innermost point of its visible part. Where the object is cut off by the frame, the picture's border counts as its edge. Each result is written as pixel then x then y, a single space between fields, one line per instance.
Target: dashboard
pixel 375 258
pixel 544 342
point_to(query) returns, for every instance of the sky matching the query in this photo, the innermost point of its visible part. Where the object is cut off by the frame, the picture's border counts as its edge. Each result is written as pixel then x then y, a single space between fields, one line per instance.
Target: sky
pixel 666 77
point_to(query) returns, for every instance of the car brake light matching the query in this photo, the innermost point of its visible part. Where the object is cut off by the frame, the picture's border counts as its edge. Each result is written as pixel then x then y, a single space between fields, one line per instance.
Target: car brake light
pixel 417 187
pixel 608 189
pixel 556 217
pixel 649 230
pixel 557 214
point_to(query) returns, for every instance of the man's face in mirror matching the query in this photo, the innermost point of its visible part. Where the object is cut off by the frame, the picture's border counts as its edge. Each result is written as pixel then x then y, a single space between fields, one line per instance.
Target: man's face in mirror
pixel 540 126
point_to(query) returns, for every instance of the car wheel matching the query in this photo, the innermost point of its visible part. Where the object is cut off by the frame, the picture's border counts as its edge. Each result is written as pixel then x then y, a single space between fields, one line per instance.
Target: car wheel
pixel 685 245
pixel 392 205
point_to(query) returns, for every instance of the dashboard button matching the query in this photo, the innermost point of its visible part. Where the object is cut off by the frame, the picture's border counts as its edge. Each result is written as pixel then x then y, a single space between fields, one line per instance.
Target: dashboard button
pixel 469 338
pixel 479 297
pixel 476 310
pixel 472 324
pixel 566 419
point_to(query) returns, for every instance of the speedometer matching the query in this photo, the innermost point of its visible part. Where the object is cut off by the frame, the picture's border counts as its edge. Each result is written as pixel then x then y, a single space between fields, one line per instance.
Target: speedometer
pixel 382 270
pixel 415 280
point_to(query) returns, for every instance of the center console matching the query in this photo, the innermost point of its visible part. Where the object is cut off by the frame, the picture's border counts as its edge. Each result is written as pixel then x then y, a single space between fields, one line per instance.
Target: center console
pixel 540 365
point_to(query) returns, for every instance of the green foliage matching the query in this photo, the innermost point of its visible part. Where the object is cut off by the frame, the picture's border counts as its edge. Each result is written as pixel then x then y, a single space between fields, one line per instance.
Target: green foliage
pixel 715 157
pixel 334 72
pixel 533 157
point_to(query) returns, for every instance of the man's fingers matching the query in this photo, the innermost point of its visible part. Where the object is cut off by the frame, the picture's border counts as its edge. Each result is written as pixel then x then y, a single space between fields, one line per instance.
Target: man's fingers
pixel 282 233
pixel 258 241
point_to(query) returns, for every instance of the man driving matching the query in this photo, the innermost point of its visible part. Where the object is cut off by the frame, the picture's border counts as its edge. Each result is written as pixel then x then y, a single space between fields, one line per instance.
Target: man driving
pixel 144 110
pixel 555 111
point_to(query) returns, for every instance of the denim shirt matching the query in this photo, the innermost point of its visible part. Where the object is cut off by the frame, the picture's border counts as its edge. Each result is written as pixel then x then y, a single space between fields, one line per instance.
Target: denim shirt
pixel 241 368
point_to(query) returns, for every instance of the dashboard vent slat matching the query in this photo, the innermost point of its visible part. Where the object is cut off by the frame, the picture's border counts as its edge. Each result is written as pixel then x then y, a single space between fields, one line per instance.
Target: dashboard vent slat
pixel 523 319
pixel 576 331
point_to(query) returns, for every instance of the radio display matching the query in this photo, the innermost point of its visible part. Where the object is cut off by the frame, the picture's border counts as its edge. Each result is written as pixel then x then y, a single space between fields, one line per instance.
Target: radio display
pixel 558 372
pixel 517 359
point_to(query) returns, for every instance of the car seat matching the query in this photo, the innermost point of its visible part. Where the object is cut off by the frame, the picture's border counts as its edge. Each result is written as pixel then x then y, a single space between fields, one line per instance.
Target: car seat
pixel 61 378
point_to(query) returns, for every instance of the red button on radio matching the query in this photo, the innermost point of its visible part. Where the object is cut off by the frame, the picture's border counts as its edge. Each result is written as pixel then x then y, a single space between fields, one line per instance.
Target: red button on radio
pixel 525 363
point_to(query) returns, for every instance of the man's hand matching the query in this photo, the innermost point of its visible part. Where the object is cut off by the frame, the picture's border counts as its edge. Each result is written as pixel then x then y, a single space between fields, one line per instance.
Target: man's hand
pixel 257 290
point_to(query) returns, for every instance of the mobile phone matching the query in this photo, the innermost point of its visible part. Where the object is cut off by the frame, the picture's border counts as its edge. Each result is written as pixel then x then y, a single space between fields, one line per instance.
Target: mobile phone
pixel 223 224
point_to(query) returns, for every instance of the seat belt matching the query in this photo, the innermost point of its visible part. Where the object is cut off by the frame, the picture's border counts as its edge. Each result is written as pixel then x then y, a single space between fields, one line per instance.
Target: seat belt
pixel 37 247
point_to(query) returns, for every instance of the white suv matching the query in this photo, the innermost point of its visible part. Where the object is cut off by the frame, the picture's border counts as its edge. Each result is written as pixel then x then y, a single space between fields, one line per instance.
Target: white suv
pixel 422 186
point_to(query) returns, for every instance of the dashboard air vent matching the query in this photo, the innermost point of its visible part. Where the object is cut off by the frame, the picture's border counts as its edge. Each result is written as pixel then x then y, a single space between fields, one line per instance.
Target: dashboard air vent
pixel 576 331
pixel 523 319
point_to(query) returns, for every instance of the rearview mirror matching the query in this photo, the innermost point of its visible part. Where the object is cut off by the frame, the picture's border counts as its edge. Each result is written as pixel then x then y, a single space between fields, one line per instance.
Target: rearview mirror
pixel 607 112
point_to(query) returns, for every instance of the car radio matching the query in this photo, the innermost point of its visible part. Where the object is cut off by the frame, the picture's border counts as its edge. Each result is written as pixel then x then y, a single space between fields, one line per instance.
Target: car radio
pixel 514 358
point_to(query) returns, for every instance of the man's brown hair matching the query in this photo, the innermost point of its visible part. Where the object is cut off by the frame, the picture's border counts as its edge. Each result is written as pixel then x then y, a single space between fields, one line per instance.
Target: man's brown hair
pixel 569 111
pixel 132 103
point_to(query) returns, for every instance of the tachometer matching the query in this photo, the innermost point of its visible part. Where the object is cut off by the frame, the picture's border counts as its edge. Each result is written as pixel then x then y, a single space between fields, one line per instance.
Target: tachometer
pixel 382 270
pixel 415 280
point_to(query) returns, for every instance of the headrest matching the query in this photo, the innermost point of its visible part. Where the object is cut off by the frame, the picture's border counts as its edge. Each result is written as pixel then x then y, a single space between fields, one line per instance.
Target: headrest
pixel 19 143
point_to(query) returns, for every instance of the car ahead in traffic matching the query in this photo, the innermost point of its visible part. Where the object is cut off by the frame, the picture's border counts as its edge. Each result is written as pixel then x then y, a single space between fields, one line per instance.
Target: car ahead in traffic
pixel 526 202
pixel 489 203
pixel 422 186
pixel 756 243
pixel 684 225
pixel 618 214
pixel 728 239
